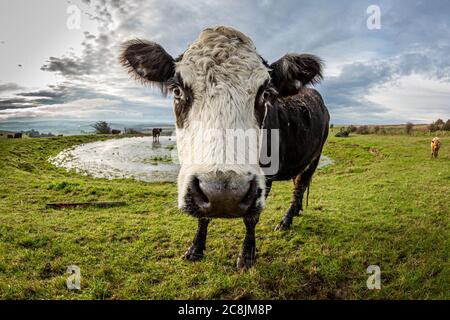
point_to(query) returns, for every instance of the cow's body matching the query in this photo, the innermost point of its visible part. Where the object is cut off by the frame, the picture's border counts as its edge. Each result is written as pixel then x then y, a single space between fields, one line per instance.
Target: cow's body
pixel 435 146
pixel 220 83
pixel 156 132
pixel 303 123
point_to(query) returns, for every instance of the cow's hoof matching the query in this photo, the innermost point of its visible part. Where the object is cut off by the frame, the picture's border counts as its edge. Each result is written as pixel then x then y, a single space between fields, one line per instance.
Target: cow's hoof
pixel 282 226
pixel 245 261
pixel 193 254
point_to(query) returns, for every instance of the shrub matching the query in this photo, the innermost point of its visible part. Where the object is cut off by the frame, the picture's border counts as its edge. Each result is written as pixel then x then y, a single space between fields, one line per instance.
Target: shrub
pixel 351 128
pixel 409 127
pixel 433 127
pixel 102 127
pixel 439 124
pixel 446 126
pixel 376 129
pixel 362 130
pixel 342 133
pixel 131 131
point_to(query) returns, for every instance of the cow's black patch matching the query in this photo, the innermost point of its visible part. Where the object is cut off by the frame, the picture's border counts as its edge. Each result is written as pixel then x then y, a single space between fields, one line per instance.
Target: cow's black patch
pixel 302 121
pixel 148 62
pixel 294 71
pixel 183 101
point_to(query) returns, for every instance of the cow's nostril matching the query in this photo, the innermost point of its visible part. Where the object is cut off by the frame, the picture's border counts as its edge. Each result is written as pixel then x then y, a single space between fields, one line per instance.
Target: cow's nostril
pixel 197 193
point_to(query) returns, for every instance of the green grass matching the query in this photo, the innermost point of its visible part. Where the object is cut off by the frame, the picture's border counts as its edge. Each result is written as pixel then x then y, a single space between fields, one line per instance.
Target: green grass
pixel 155 160
pixel 384 202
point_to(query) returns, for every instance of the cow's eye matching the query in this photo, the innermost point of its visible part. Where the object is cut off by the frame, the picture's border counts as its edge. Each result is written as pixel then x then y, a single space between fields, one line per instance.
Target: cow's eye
pixel 177 93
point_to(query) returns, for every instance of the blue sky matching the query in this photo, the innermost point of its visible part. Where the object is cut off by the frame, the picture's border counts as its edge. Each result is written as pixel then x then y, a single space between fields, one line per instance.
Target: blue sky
pixel 395 74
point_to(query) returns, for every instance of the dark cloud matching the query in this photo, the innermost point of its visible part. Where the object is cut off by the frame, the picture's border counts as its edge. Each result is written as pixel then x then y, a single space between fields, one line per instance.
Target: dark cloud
pixel 16 103
pixel 54 94
pixel 67 66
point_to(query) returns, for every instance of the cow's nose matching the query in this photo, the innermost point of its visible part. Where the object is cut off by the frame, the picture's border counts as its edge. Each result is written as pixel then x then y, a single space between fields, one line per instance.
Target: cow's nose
pixel 224 194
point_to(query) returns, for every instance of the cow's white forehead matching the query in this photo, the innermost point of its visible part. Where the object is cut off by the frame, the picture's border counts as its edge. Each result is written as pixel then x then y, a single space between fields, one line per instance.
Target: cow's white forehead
pixel 222 59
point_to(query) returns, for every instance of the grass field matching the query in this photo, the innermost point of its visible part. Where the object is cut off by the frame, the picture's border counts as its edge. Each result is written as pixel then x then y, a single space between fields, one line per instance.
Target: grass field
pixel 384 202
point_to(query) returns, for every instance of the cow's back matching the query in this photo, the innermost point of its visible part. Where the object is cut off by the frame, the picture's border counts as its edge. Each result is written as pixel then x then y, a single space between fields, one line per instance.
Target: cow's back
pixel 303 122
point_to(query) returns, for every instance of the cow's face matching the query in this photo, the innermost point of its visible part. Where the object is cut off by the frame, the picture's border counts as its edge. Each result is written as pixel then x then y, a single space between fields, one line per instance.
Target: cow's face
pixel 221 89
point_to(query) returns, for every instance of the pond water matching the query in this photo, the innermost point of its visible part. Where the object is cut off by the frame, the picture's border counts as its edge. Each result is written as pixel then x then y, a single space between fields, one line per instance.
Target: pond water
pixel 137 158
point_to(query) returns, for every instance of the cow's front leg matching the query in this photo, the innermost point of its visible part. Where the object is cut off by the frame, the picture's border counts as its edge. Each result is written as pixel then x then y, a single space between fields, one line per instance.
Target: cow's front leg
pixel 195 252
pixel 247 256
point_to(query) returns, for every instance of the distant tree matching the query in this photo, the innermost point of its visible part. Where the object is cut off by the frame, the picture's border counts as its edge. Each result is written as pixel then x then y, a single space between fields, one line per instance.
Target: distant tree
pixel 102 127
pixel 351 128
pixel 447 126
pixel 433 127
pixel 33 133
pixel 362 130
pixel 439 124
pixel 409 128
pixel 131 131
pixel 331 126
pixel 376 129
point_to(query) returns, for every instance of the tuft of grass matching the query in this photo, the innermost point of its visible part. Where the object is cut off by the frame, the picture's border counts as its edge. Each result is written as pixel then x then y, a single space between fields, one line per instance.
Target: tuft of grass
pixel 171 146
pixel 155 160
pixel 383 202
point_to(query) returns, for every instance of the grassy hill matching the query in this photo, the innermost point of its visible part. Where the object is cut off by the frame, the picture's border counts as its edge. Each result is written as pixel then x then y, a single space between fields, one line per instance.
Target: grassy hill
pixel 384 202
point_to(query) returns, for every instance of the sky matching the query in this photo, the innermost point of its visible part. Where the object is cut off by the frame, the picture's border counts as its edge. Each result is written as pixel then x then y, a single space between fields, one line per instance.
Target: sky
pixel 54 66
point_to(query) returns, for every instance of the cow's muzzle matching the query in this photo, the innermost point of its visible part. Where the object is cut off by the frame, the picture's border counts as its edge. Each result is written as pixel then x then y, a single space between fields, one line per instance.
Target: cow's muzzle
pixel 223 194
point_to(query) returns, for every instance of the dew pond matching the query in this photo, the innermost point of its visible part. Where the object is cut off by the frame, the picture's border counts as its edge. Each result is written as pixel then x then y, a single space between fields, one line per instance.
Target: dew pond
pixel 138 158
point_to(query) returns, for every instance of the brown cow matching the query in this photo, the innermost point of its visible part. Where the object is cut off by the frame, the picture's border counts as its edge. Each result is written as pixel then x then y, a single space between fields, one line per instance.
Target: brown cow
pixel 435 145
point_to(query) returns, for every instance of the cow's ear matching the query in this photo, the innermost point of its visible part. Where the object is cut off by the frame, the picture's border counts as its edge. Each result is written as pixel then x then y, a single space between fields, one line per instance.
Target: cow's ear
pixel 293 71
pixel 148 62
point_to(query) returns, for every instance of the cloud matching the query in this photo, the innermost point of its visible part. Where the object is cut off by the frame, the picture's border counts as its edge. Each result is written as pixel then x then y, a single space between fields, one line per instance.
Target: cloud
pixel 9 86
pixel 347 94
pixel 361 64
pixel 78 109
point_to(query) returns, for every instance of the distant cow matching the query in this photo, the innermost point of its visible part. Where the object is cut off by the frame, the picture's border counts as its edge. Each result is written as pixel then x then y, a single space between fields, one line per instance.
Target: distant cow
pixel 18 135
pixel 435 145
pixel 156 132
pixel 115 131
pixel 224 91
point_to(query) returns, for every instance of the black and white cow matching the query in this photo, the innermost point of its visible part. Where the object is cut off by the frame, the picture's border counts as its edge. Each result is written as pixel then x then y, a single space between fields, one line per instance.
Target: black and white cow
pixel 221 83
